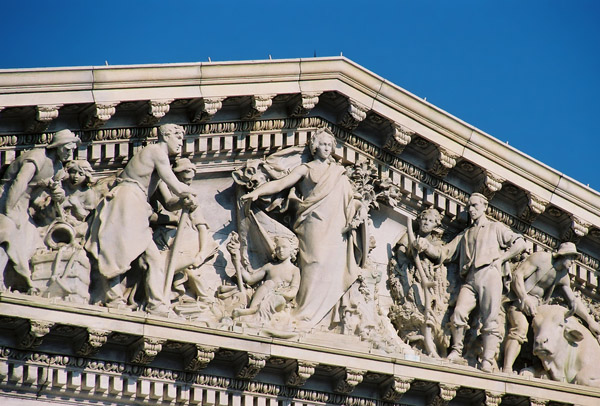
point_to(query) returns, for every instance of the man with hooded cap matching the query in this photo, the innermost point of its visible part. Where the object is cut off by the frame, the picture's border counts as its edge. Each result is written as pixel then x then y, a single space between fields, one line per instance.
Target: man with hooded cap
pixel 34 169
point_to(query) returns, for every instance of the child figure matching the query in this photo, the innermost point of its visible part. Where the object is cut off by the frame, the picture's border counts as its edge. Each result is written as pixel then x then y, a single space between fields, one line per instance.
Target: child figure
pixel 81 198
pixel 281 277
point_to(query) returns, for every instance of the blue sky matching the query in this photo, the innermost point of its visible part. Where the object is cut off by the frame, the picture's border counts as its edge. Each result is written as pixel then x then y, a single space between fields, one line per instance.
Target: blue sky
pixel 526 72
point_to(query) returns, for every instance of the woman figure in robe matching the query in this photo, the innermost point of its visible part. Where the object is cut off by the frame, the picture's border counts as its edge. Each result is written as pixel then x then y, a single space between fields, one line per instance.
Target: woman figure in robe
pixel 326 223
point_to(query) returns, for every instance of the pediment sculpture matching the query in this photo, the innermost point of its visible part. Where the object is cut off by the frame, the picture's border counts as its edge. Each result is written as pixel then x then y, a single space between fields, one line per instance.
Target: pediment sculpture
pixel 297 258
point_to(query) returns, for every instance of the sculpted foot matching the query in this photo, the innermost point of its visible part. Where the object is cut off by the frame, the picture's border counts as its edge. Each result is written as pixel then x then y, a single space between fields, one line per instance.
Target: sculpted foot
pixel 244 312
pixel 162 310
pixel 117 304
pixel 486 366
pixel 454 356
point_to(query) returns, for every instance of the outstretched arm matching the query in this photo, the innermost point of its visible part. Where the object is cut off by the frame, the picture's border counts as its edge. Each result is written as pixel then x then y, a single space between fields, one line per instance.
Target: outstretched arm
pixel 523 271
pixel 577 306
pixel 163 168
pixel 278 185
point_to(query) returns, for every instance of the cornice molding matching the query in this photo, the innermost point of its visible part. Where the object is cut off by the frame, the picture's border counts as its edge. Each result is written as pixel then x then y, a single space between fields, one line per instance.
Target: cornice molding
pixel 86 380
pixel 109 84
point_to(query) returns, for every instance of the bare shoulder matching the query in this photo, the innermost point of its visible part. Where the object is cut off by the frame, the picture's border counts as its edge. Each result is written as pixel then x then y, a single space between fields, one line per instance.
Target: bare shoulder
pixel 301 169
pixel 154 150
pixel 539 257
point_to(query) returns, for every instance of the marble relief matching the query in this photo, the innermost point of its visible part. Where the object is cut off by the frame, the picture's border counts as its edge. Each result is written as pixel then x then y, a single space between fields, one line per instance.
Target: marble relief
pixel 296 258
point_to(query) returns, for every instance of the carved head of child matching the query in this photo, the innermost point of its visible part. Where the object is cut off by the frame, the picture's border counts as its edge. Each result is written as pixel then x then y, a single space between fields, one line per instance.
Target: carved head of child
pixel 428 220
pixel 322 143
pixel 172 135
pixel 185 170
pixel 285 247
pixel 79 172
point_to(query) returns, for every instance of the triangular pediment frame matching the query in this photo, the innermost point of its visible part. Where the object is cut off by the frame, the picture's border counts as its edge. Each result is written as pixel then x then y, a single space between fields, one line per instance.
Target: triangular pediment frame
pixel 241 110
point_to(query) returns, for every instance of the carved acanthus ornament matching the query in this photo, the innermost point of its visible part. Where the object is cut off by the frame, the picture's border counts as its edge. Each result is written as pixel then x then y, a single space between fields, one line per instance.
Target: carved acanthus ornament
pixel 538 402
pixel 199 357
pixel 353 116
pixel 157 109
pixel 98 114
pixel 93 340
pixel 533 208
pixel 305 104
pixel 446 394
pixel 396 388
pixel 32 334
pixel 493 398
pixel 251 365
pixel 146 349
pixel 443 163
pixel 207 109
pixel 301 373
pixel 398 139
pixel 576 229
pixel 348 381
pixel 491 184
pixel 44 114
pixel 260 104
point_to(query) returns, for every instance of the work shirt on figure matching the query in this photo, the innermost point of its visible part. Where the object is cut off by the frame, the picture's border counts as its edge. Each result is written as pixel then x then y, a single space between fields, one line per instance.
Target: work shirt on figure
pixel 45 168
pixel 479 245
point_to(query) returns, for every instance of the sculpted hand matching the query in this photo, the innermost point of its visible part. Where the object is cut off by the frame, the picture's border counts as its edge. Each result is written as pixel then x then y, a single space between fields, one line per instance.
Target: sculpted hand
pixel 189 204
pixel 572 309
pixel 252 196
pixel 58 194
pixel 247 199
pixel 529 306
pixel 186 191
pixel 421 244
pixel 233 246
pixel 594 328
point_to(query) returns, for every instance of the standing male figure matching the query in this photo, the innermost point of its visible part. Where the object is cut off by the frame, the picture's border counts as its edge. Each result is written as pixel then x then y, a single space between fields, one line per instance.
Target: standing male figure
pixel 120 231
pixel 34 169
pixel 481 250
pixel 534 281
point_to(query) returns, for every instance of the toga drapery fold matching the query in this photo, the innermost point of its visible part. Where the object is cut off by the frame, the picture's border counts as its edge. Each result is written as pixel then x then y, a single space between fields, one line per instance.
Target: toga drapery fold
pixel 326 254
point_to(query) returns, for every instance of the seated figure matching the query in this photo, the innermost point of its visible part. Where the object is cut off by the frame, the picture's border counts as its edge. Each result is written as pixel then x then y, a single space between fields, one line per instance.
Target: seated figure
pixel 281 277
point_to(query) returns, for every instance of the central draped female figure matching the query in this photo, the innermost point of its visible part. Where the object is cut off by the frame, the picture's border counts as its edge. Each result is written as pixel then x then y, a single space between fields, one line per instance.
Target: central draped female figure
pixel 325 224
